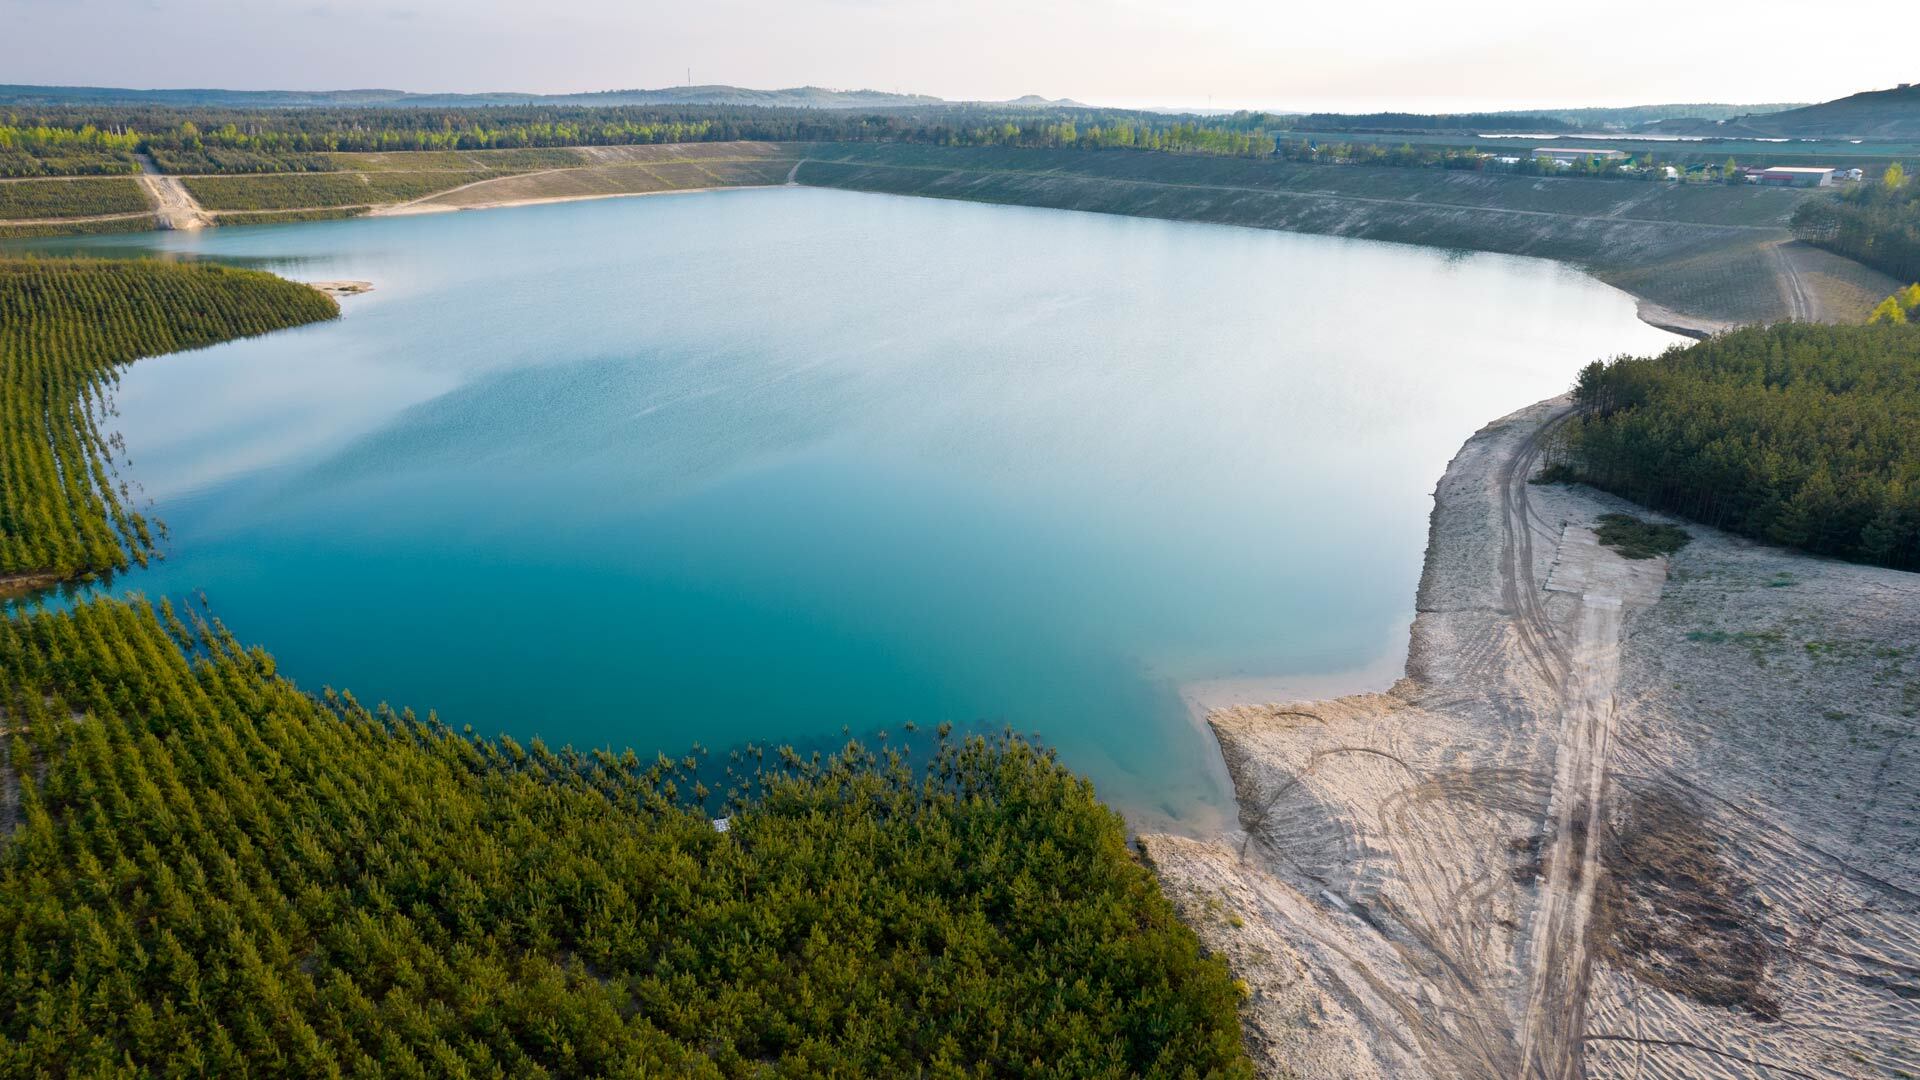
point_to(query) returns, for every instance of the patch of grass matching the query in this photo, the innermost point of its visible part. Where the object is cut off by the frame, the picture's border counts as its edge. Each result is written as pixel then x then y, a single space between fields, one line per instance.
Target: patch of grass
pixel 1637 539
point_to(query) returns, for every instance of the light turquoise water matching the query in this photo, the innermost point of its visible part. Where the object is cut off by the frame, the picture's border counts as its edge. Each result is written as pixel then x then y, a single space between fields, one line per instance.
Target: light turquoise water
pixel 761 464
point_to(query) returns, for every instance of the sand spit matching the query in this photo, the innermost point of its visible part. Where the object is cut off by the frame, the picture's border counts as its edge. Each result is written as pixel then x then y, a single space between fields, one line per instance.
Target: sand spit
pixel 1649 819
pixel 341 288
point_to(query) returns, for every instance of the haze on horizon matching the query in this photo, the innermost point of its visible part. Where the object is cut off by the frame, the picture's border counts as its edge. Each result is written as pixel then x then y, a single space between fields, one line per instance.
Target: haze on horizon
pixel 1485 54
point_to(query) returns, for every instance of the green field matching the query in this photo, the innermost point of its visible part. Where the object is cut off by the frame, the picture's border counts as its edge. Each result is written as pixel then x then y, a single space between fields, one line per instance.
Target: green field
pixel 70 198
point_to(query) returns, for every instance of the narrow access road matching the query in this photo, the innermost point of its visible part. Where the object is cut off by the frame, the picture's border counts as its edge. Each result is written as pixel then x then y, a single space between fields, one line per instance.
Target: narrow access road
pixel 172 202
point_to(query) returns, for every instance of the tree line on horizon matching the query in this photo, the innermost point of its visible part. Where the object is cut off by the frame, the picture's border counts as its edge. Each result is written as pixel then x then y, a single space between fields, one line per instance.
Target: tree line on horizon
pixel 1796 434
pixel 207 140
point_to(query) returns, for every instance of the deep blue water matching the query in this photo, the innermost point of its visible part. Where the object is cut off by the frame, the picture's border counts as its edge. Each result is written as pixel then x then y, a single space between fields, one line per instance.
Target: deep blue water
pixel 761 464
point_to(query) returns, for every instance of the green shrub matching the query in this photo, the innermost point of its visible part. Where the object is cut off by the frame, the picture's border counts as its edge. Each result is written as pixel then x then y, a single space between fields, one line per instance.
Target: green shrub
pixel 1637 539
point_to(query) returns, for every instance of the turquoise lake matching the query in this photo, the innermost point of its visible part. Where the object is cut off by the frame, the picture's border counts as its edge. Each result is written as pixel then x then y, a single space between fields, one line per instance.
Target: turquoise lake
pixel 763 464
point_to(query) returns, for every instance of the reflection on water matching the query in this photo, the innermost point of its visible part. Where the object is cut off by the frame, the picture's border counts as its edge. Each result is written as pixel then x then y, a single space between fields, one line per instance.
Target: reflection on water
pixel 761 465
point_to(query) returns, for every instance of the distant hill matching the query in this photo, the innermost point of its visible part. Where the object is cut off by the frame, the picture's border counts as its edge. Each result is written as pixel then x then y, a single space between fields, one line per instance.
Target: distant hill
pixel 1872 114
pixel 1631 116
pixel 1038 102
pixel 813 97
pixel 1530 120
pixel 1393 122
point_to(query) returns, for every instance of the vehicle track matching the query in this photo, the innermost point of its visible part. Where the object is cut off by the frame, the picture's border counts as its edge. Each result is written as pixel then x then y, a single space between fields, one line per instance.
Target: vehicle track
pixel 1483 963
pixel 1802 305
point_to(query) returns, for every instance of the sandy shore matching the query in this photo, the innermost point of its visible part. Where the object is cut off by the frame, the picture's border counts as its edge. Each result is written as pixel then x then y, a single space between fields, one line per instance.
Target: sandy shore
pixel 1651 819
pixel 430 206
pixel 341 288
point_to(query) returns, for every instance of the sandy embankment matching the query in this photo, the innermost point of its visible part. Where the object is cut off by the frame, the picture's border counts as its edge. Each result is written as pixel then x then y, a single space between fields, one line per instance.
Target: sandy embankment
pixel 1614 821
pixel 609 172
pixel 429 205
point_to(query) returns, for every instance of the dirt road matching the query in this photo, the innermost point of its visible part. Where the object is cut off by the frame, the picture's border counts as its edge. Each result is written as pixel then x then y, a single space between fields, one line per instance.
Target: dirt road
pixel 173 204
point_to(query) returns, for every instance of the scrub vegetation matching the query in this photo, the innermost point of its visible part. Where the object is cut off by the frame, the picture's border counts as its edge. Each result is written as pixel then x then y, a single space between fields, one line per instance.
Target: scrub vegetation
pixel 1802 435
pixel 61 149
pixel 205 870
pixel 1637 539
pixel 71 198
pixel 319 190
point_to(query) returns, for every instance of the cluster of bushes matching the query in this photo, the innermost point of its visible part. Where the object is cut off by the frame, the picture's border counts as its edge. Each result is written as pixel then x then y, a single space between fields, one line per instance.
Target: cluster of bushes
pixel 1797 434
pixel 1901 307
pixel 205 871
pixel 1877 224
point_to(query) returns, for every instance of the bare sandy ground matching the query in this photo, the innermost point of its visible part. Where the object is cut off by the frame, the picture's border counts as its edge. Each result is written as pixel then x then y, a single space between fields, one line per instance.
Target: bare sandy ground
pixel 173 204
pixel 342 287
pixel 437 204
pixel 1647 819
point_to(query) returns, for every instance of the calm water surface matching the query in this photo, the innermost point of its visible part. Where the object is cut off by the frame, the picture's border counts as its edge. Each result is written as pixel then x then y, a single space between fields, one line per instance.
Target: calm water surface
pixel 761 464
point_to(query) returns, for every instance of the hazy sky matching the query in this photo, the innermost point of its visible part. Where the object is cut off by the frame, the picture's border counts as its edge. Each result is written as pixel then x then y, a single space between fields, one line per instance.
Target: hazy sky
pixel 1256 53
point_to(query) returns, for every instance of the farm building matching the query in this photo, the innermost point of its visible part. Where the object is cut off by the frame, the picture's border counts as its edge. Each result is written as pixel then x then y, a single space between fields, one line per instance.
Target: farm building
pixel 1796 176
pixel 1573 155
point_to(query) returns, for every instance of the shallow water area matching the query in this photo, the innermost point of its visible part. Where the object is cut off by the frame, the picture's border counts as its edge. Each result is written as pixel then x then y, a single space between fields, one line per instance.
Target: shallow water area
pixel 766 464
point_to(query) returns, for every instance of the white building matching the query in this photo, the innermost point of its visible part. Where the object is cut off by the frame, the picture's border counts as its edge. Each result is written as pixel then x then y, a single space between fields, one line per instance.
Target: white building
pixel 1796 176
pixel 1573 155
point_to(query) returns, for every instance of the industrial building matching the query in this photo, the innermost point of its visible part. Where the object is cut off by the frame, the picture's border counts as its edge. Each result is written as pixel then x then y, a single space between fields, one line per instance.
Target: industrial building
pixel 1796 176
